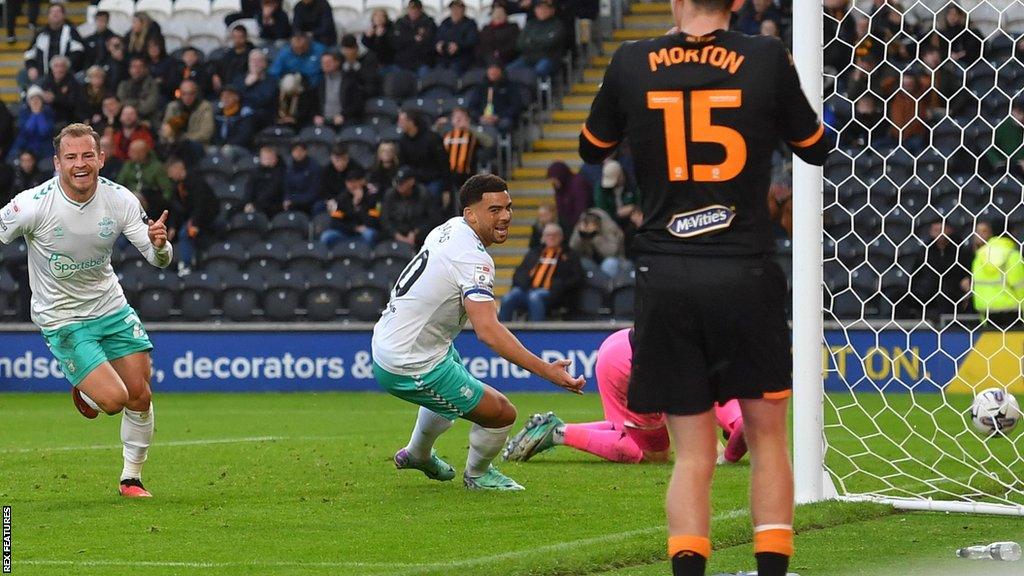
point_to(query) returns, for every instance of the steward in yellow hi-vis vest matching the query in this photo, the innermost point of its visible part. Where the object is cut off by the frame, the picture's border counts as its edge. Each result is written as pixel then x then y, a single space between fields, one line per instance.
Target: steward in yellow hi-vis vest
pixel 998 281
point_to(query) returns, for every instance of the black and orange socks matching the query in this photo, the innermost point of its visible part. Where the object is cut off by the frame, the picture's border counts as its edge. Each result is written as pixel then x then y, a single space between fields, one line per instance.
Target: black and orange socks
pixel 689 554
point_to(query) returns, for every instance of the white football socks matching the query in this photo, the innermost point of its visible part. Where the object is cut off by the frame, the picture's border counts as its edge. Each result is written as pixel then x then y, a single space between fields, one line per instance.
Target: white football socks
pixel 429 425
pixel 136 434
pixel 484 445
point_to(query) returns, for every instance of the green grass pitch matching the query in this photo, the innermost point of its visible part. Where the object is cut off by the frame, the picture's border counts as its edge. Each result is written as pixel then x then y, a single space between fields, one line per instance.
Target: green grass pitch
pixel 303 484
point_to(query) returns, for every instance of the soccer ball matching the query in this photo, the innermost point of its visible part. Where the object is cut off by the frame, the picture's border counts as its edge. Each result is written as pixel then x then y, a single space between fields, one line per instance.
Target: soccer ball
pixel 995 412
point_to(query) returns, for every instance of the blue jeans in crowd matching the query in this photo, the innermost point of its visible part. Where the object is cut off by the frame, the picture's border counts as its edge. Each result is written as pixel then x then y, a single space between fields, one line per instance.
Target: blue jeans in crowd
pixel 330 237
pixel 544 67
pixel 534 301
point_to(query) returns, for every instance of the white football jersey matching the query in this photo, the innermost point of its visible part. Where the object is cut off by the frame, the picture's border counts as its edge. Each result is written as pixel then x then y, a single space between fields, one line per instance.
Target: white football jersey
pixel 69 247
pixel 426 311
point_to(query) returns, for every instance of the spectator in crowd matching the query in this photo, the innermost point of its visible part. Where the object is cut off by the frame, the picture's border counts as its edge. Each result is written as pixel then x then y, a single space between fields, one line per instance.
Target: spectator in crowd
pixel 572 193
pixel 145 176
pixel 142 29
pixel 1007 152
pixel 870 75
pixel 899 35
pixel 332 180
pixel 411 39
pixel 266 188
pixel 460 143
pixel 355 213
pixel 780 208
pixel 293 104
pixel 273 21
pixel 545 215
pixel 191 68
pixel 115 62
pixel 997 282
pixel 407 212
pixel 770 28
pixel 131 130
pixel 190 116
pixel 908 126
pixel 939 269
pixel 193 211
pixel 234 123
pixel 301 181
pixel 27 174
pixel 314 17
pixel 422 150
pixel 600 239
pixel 259 91
pixel 385 167
pixel 140 91
pixel 547 278
pixel 13 10
pixel 35 127
pixel 94 93
pixel 340 98
pixel 615 194
pixel 836 55
pixel 233 63
pixel 365 68
pixel 496 102
pixel 162 68
pixel 95 45
pixel 867 45
pixel 64 94
pixel 939 84
pixel 497 38
pixel 456 40
pixel 753 14
pixel 57 38
pixel 514 6
pixel 542 42
pixel 109 120
pixel 111 163
pixel 302 56
pixel 870 129
pixel 955 39
pixel 376 38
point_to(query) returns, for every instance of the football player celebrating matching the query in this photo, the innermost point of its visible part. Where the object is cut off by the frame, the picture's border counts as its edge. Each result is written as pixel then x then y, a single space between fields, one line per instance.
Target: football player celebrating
pixel 70 223
pixel 450 279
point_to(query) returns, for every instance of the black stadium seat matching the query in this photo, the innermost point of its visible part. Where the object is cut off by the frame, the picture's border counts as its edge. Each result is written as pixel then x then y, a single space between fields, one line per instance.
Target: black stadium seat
pixel 198 297
pixel 247 228
pixel 224 257
pixel 323 297
pixel 308 258
pixel 283 296
pixel 242 296
pixel 352 250
pixel 289 228
pixel 393 249
pixel 157 296
pixel 267 256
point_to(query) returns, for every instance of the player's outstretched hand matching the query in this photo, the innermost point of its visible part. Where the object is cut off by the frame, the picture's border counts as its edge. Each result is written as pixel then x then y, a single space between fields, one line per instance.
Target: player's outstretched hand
pixel 158 231
pixel 558 374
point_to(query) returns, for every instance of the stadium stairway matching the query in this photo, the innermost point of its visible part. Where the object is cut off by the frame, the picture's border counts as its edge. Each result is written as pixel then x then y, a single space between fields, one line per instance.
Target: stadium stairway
pixel 560 136
pixel 12 56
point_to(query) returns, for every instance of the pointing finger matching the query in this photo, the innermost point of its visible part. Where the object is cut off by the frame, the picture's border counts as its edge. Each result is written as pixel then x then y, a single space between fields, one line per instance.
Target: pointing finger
pixel 163 218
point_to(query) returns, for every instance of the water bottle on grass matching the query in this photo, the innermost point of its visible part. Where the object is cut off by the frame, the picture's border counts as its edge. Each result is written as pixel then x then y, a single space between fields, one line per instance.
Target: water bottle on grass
pixel 1005 551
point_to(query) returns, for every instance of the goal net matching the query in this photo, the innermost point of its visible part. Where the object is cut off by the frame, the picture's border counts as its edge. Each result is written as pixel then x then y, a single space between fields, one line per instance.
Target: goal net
pixel 924 102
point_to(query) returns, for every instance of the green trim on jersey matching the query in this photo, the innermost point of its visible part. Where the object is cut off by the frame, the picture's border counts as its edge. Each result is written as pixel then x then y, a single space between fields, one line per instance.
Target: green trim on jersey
pixel 66 197
pixel 448 389
pixel 81 347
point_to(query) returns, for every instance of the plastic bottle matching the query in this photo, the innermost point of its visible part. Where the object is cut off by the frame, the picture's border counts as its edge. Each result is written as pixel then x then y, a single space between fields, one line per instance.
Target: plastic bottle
pixel 1005 551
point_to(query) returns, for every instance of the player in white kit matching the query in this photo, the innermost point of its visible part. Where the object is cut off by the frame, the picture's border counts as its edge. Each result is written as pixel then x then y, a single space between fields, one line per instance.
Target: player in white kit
pixel 452 278
pixel 70 223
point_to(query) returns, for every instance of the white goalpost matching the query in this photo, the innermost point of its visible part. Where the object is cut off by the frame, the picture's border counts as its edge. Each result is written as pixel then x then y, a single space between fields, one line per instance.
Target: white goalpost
pixel 888 349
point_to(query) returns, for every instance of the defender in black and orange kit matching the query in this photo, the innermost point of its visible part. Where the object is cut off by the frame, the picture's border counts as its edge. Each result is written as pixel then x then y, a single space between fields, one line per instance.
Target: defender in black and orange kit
pixel 703 109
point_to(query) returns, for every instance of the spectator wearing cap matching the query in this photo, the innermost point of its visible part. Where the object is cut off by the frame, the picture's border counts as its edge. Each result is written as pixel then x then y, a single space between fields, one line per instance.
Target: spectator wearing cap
pixel 332 180
pixel 497 38
pixel 35 127
pixel 355 212
pixel 615 194
pixel 365 68
pixel 301 181
pixel 273 21
pixel 96 43
pixel 235 122
pixel 193 211
pixel 259 90
pixel 542 42
pixel 407 212
pixel 340 98
pixel 597 237
pixel 231 66
pixel 457 38
pixel 266 188
pixel 496 102
pixel 302 56
pixel 140 91
pixel 190 116
pixel 422 150
pixel 314 17
pixel 377 37
pixel 412 39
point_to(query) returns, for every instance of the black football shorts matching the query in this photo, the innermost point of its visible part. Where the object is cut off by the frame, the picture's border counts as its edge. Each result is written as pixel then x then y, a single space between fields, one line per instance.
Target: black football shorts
pixel 708 329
